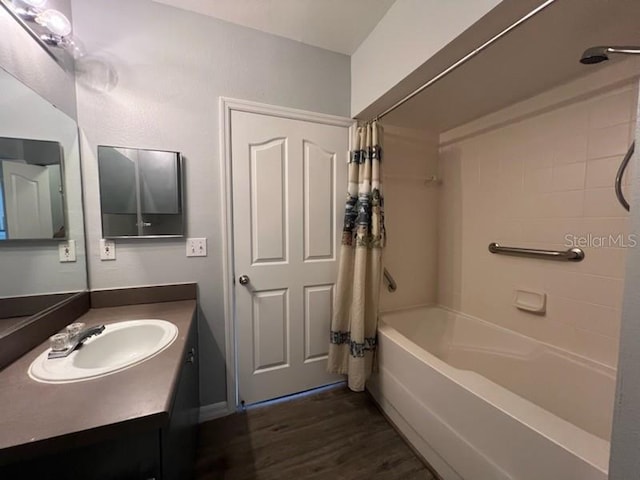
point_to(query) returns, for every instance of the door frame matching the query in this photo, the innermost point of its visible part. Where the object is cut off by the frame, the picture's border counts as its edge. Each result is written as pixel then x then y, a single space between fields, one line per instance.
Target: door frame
pixel 226 107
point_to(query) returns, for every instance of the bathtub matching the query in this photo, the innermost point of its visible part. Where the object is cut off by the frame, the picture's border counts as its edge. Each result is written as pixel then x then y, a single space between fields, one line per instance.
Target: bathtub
pixel 480 402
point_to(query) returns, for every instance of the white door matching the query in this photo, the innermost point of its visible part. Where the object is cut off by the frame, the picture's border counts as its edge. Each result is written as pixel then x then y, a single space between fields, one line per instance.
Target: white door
pixel 289 184
pixel 27 200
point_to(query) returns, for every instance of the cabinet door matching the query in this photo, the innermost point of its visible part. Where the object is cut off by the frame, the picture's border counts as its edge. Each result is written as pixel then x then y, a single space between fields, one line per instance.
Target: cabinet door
pixel 179 439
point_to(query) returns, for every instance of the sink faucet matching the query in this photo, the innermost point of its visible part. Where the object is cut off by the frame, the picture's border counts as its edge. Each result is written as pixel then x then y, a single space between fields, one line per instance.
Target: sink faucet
pixel 76 340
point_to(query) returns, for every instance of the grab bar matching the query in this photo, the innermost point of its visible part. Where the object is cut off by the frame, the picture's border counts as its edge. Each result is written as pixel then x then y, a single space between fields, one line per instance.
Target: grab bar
pixel 391 283
pixel 571 255
pixel 623 167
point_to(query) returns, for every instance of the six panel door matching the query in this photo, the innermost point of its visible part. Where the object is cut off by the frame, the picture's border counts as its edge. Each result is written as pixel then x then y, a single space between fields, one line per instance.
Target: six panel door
pixel 289 188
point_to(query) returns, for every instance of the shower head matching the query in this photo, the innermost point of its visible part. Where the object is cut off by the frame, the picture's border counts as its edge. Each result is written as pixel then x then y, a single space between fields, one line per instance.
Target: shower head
pixel 600 54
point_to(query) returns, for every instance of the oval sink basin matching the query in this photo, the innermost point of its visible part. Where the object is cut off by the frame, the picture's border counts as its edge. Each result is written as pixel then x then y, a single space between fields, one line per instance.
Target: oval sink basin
pixel 120 346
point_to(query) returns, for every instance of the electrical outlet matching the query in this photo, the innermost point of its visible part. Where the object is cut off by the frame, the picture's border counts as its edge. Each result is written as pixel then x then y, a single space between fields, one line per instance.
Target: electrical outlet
pixel 107 249
pixel 196 247
pixel 67 251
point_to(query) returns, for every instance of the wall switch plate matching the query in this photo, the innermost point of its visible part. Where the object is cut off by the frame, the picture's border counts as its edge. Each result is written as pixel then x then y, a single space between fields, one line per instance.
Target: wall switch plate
pixel 107 249
pixel 67 251
pixel 196 247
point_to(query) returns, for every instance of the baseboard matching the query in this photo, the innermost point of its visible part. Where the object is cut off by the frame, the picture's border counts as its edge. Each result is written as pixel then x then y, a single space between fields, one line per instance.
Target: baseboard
pixel 213 411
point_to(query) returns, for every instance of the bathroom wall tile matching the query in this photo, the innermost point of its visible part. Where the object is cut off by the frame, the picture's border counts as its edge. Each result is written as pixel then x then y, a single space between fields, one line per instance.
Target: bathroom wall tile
pixel 612 109
pixel 608 141
pixel 570 147
pixel 539 180
pixel 608 262
pixel 595 289
pixel 569 177
pixel 538 183
pixel 562 204
pixel 409 154
pixel 602 172
pixel 602 202
pixel 586 316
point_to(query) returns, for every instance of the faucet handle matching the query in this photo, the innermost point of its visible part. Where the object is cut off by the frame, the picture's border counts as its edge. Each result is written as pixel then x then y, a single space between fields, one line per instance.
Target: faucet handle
pixel 75 328
pixel 59 342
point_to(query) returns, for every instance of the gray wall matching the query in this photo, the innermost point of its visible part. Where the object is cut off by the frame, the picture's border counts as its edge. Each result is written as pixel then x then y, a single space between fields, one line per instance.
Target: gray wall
pixel 625 440
pixel 25 59
pixel 172 66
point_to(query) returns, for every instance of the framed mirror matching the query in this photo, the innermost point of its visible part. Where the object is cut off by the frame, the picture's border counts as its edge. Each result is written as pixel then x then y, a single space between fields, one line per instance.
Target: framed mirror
pixel 41 205
pixel 141 193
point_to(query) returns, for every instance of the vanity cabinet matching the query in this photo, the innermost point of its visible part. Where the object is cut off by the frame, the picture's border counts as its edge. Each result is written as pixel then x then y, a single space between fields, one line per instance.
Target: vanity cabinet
pixel 159 447
pixel 179 440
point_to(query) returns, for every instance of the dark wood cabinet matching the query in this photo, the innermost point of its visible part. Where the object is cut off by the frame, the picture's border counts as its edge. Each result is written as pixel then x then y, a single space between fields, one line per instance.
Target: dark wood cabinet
pixel 179 440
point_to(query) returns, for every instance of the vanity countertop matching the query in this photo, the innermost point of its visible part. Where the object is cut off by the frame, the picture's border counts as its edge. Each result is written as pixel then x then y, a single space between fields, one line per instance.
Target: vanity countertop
pixel 38 418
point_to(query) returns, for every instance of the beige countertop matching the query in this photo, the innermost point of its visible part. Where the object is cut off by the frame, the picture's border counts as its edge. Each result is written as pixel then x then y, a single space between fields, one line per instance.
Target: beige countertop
pixel 39 418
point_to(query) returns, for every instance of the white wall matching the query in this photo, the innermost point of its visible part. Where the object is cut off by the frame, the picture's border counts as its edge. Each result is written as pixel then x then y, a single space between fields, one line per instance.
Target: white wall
pixel 409 34
pixel 625 439
pixel 172 66
pixel 411 216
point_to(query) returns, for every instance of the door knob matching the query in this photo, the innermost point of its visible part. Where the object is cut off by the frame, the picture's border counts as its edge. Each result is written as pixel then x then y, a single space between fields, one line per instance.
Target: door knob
pixel 244 279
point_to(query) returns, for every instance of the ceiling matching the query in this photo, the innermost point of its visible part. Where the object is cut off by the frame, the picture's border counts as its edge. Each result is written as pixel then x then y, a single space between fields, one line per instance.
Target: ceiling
pixel 337 25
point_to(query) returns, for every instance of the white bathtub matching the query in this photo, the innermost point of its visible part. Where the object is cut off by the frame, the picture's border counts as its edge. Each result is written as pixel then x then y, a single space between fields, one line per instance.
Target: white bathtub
pixel 481 402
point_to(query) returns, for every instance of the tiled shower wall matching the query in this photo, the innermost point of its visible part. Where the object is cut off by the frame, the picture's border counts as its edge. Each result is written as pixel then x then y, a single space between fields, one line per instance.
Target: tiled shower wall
pixel 537 183
pixel 411 208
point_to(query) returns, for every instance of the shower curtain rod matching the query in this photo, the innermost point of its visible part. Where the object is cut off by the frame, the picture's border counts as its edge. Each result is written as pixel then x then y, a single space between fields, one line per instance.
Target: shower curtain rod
pixel 464 59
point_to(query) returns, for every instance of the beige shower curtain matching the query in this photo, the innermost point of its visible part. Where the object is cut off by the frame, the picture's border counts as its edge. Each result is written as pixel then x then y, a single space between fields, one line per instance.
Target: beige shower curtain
pixel 355 318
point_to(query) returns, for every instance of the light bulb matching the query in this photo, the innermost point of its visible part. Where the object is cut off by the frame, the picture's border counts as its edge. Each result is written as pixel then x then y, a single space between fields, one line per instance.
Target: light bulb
pixel 55 21
pixel 75 47
pixel 35 3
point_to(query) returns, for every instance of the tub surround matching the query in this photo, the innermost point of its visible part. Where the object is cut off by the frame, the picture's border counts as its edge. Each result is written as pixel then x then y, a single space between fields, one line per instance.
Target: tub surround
pixel 39 418
pixel 445 406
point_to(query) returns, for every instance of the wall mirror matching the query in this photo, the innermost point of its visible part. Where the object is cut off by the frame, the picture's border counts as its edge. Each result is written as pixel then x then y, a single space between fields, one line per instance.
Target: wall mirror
pixel 140 193
pixel 36 137
pixel 31 190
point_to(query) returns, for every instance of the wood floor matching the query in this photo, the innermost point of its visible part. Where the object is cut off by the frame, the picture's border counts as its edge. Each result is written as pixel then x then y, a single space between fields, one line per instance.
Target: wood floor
pixel 336 434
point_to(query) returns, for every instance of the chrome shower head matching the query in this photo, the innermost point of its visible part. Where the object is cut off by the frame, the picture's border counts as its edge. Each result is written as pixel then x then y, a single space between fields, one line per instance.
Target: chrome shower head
pixel 600 54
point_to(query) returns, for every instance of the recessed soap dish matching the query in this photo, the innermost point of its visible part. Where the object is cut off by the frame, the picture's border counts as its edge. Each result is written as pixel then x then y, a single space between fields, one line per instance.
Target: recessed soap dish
pixel 534 302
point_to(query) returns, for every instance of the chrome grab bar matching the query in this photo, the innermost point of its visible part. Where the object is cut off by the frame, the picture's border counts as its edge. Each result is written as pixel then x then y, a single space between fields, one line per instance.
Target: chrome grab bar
pixel 571 255
pixel 623 167
pixel 392 286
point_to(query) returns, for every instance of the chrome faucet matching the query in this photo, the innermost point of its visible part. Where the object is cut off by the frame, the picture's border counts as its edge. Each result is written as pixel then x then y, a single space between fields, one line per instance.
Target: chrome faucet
pixel 75 341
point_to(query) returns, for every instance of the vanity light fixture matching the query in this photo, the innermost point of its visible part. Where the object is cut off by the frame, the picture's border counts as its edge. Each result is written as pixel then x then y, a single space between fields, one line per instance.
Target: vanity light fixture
pixel 51 27
pixel 56 22
pixel 69 43
pixel 35 3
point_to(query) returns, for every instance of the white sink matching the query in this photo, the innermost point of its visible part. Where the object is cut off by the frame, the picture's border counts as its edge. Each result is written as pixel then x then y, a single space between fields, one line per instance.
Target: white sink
pixel 120 346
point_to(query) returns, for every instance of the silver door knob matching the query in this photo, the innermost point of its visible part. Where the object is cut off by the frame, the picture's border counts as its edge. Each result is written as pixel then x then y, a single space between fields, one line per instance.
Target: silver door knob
pixel 244 279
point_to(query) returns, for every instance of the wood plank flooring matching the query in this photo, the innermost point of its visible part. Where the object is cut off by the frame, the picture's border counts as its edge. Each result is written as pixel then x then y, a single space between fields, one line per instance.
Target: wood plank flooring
pixel 335 434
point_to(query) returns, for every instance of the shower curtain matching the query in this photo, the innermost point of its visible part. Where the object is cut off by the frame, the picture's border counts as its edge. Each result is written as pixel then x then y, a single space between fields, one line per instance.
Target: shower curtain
pixel 355 318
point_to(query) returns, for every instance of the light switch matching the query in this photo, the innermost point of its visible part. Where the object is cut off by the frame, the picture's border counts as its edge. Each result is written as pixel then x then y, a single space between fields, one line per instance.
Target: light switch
pixel 196 247
pixel 67 251
pixel 107 249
